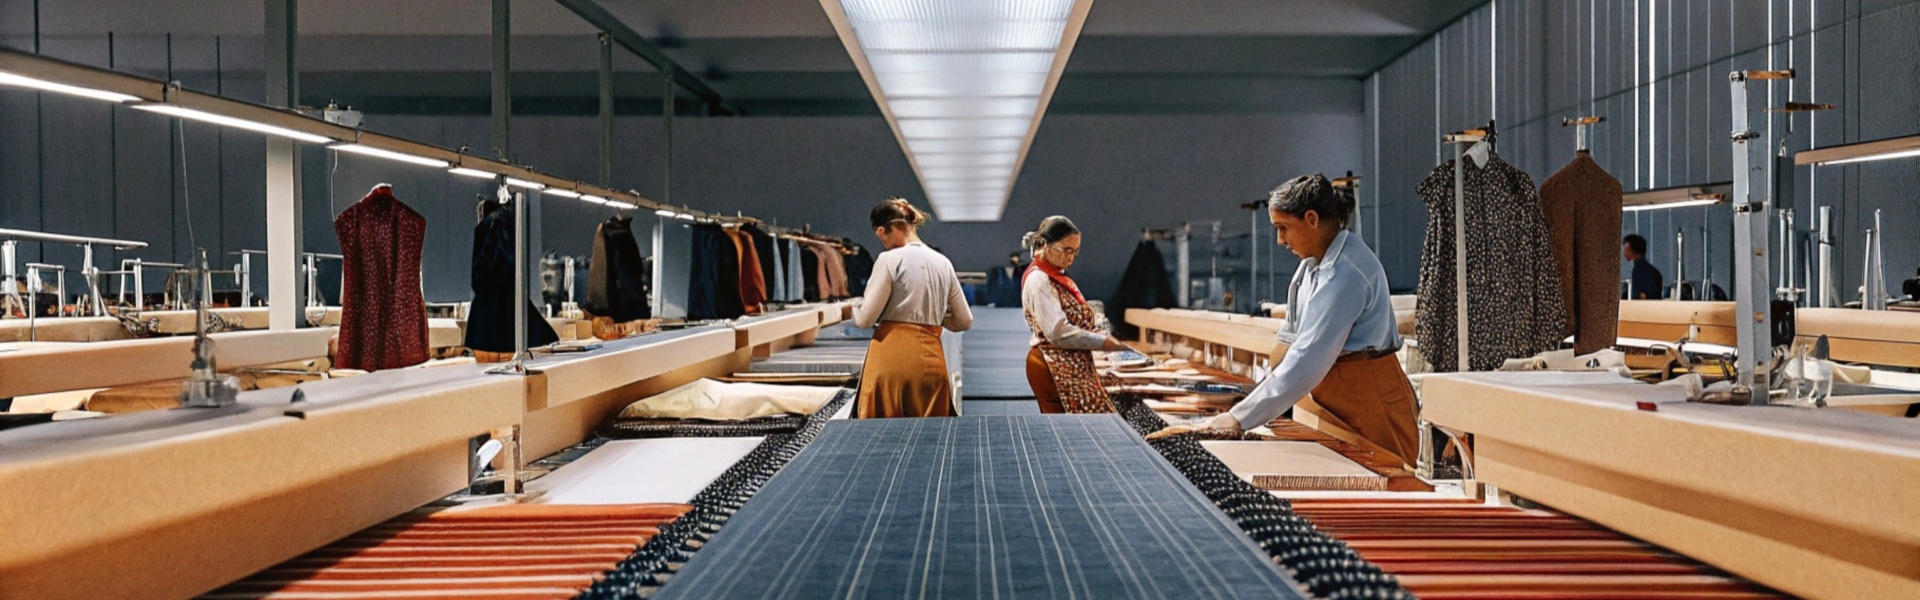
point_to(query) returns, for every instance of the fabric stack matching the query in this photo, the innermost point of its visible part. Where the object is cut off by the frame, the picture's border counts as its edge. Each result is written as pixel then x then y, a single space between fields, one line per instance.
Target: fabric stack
pixel 513 551
pixel 708 408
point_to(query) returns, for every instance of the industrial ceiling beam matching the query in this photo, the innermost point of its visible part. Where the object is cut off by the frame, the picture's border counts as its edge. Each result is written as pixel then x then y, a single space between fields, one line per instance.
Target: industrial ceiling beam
pixel 597 16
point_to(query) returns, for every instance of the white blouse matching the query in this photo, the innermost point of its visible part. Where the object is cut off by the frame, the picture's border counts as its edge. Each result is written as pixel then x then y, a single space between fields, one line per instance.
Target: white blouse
pixel 914 284
pixel 1042 300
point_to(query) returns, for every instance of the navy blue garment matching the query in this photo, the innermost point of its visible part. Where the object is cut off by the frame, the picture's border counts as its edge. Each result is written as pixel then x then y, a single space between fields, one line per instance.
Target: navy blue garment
pixel 713 287
pixel 1003 287
pixel 859 270
pixel 490 318
pixel 1648 284
pixel 809 270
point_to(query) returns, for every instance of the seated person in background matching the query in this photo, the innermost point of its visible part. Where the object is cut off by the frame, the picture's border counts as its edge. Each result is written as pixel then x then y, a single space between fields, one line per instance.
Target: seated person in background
pixel 1646 282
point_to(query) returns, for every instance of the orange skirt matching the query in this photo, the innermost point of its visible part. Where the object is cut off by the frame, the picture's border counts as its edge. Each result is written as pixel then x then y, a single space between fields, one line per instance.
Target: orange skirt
pixel 1367 402
pixel 905 374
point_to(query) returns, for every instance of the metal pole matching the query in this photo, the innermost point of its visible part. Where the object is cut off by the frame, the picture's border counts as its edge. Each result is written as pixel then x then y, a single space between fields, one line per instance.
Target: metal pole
pixel 1826 295
pixel 1460 255
pixel 1753 314
pixel 666 122
pixel 1679 263
pixel 285 231
pixel 1253 245
pixel 1181 246
pixel 502 76
pixel 606 110
pixel 1706 263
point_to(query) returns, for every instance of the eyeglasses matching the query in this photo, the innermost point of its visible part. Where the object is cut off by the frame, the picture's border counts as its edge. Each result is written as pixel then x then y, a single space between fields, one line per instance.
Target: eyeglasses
pixel 1065 250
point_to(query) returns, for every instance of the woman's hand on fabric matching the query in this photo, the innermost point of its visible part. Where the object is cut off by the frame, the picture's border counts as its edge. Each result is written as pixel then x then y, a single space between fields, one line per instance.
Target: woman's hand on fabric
pixel 1220 426
pixel 1114 344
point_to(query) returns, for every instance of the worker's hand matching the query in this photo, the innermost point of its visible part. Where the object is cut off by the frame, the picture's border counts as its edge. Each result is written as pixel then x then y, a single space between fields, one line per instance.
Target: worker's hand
pixel 1220 426
pixel 1114 344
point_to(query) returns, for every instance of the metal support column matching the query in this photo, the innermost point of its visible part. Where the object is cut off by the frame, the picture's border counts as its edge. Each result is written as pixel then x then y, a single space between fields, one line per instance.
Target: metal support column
pixel 606 110
pixel 666 123
pixel 502 76
pixel 285 287
pixel 1753 319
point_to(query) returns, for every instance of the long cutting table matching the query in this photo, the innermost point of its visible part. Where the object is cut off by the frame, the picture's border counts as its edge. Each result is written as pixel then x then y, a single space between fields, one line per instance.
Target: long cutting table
pixel 1059 506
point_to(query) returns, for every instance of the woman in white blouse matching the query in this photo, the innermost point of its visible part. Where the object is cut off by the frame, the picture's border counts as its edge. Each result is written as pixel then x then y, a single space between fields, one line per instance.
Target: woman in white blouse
pixel 912 294
pixel 1065 331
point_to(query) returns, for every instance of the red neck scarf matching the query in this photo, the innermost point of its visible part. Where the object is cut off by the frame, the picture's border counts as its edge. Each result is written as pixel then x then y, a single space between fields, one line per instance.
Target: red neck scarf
pixel 1057 276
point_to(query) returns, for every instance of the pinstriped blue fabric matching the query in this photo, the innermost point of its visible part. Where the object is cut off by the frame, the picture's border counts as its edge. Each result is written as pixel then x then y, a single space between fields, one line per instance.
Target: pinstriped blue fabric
pixel 1051 507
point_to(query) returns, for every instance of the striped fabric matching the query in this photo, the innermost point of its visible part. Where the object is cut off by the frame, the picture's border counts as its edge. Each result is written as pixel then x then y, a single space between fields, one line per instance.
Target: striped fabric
pixel 506 552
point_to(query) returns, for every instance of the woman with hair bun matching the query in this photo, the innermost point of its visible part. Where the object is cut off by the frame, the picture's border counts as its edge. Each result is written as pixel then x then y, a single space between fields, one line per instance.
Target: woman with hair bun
pixel 912 294
pixel 1065 334
pixel 1339 365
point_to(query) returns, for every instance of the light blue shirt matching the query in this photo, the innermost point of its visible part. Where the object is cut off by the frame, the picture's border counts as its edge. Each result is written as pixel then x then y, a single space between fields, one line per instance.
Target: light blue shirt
pixel 1335 305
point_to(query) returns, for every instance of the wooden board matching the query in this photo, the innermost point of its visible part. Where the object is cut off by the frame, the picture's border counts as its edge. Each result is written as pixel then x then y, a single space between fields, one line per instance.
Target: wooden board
pixel 39 367
pixel 1887 338
pixel 175 503
pixel 1669 320
pixel 1823 503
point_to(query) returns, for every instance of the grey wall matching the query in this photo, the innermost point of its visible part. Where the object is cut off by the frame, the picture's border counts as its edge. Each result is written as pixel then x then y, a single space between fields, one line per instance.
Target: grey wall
pixel 80 167
pixel 1658 72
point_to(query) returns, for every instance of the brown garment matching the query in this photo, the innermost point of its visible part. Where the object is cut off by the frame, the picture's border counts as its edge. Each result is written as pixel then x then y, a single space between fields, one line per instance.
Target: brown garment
pixel 753 283
pixel 905 374
pixel 1582 206
pixel 1069 380
pixel 1042 383
pixel 836 264
pixel 383 316
pixel 1367 401
pixel 822 256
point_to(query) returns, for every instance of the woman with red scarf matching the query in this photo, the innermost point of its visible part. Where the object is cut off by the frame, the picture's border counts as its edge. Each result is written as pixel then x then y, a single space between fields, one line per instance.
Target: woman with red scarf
pixel 1060 363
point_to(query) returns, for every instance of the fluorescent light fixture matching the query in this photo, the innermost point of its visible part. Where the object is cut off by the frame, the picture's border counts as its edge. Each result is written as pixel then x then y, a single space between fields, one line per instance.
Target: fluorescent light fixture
pixel 1674 204
pixel 389 154
pixel 476 173
pixel 561 193
pixel 621 205
pixel 71 90
pixel 590 198
pixel 1676 197
pixel 522 183
pixel 963 85
pixel 1857 152
pixel 684 216
pixel 666 213
pixel 188 113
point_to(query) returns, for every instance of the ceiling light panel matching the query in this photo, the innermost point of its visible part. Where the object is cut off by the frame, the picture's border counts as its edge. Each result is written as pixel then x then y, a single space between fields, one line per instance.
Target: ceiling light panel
pixel 963 85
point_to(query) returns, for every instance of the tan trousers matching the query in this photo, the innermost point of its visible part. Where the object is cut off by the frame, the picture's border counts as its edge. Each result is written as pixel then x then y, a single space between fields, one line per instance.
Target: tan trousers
pixel 1041 380
pixel 1367 402
pixel 905 374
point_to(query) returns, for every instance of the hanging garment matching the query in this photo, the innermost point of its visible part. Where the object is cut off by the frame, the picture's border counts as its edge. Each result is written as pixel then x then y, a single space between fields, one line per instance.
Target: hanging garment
pixel 553 288
pixel 763 246
pixel 905 374
pixel 753 283
pixel 490 318
pixel 383 316
pixel 859 271
pixel 714 284
pixel 796 271
pixel 810 272
pixel 1516 307
pixel 1065 339
pixel 619 279
pixel 836 264
pixel 1582 207
pixel 1144 285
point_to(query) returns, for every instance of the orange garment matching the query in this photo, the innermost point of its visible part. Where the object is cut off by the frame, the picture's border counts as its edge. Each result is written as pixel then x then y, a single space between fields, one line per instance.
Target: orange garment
pixel 1041 380
pixel 905 374
pixel 1366 401
pixel 753 283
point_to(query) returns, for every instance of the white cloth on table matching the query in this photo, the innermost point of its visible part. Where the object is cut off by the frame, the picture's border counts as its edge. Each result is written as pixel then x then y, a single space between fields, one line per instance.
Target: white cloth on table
pixel 709 399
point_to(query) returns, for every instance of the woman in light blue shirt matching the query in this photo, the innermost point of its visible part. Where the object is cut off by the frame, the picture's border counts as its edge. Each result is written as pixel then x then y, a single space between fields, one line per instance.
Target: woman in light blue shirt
pixel 1340 333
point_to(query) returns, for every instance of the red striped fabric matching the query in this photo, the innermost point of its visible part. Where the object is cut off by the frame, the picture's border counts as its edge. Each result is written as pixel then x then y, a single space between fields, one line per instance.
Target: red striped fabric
pixel 1448 549
pixel 505 552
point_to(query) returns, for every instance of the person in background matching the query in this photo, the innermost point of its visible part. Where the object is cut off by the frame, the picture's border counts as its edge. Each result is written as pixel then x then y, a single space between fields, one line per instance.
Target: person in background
pixel 1646 283
pixel 1340 334
pixel 1065 334
pixel 912 294
pixel 1911 287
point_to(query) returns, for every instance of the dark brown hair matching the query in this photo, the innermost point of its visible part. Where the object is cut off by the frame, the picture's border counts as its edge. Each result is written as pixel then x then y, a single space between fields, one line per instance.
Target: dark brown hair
pixel 1052 229
pixel 896 210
